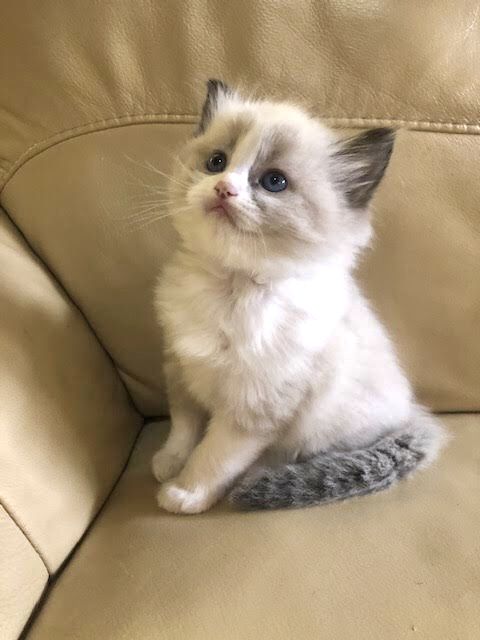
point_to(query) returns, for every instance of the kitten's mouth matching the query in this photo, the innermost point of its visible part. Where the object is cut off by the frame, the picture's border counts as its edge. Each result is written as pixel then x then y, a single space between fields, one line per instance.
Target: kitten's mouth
pixel 221 210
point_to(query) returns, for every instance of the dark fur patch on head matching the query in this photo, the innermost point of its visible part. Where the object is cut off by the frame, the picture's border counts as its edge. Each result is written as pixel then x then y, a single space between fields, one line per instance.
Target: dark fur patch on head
pixel 364 160
pixel 214 89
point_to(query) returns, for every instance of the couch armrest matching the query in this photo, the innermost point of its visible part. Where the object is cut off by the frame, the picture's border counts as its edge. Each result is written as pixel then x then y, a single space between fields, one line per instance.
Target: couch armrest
pixel 66 423
pixel 23 576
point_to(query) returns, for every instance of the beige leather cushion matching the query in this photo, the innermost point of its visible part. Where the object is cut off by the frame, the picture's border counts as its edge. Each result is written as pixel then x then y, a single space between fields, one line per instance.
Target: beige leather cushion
pixel 85 206
pixel 89 225
pixel 67 67
pixel 423 273
pixel 23 577
pixel 66 426
pixel 402 564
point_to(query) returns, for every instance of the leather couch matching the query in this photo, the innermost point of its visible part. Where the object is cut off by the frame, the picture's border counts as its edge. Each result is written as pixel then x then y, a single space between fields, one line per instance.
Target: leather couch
pixel 95 98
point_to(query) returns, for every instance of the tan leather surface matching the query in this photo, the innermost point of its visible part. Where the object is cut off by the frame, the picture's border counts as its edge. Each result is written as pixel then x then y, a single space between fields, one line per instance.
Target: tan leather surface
pixel 402 564
pixel 67 65
pixel 23 577
pixel 423 274
pixel 66 426
pixel 89 225
pixel 82 206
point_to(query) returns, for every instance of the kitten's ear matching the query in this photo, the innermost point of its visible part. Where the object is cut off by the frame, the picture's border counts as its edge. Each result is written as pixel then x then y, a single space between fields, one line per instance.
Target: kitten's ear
pixel 216 90
pixel 361 162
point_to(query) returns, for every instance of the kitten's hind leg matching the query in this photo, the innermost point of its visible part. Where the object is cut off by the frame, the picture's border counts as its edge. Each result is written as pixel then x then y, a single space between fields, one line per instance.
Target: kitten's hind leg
pixel 188 420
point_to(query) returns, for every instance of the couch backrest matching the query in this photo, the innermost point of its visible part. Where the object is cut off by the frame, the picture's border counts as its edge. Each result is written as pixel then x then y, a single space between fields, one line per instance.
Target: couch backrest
pixel 98 95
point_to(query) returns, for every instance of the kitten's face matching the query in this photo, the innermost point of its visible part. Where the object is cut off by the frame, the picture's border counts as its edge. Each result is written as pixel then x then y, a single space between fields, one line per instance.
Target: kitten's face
pixel 265 184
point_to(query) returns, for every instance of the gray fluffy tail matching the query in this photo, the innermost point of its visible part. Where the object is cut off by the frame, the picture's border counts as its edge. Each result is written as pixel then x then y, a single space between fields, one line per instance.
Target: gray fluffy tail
pixel 338 475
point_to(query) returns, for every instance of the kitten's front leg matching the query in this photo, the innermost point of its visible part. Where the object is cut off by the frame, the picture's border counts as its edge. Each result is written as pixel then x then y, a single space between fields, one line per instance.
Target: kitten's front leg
pixel 184 434
pixel 226 452
pixel 188 419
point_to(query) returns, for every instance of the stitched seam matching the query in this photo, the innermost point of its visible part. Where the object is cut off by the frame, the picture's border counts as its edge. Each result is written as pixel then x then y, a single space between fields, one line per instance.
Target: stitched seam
pixel 106 121
pixel 438 126
pixel 426 124
pixel 91 127
pixel 25 534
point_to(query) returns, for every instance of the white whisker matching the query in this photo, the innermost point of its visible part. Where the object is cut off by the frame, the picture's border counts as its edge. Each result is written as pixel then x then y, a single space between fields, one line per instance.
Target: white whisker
pixel 147 165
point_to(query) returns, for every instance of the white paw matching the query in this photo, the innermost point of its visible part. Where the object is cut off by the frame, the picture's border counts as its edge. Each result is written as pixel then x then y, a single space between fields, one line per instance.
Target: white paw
pixel 166 465
pixel 176 499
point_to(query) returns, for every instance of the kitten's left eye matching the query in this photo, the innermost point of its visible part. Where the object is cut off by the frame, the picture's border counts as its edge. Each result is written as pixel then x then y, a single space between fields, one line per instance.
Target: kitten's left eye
pixel 274 181
pixel 217 162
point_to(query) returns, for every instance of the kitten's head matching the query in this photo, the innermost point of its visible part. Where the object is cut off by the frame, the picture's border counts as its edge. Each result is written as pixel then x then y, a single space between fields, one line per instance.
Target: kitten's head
pixel 263 186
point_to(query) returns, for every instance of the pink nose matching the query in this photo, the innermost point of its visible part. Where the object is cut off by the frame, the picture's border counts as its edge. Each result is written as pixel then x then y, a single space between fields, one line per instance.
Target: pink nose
pixel 225 189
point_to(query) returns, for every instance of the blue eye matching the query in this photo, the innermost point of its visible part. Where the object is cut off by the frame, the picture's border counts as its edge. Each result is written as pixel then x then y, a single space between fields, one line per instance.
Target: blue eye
pixel 216 162
pixel 274 181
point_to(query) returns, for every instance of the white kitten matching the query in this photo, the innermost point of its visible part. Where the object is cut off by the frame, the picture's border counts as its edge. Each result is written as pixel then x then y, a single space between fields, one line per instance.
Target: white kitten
pixel 269 340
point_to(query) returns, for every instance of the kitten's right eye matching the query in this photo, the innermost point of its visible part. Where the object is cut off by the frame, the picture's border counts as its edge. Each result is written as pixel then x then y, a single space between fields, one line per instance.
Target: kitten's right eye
pixel 217 162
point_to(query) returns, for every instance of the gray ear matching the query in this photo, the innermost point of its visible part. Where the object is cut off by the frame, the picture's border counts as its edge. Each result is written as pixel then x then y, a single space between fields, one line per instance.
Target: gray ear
pixel 364 159
pixel 215 90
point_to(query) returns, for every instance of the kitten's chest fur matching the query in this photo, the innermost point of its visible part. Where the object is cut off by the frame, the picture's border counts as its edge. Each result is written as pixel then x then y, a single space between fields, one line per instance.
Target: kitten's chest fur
pixel 223 320
pixel 243 341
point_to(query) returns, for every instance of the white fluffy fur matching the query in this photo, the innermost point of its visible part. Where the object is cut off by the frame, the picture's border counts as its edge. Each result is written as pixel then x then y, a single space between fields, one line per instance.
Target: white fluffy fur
pixel 269 340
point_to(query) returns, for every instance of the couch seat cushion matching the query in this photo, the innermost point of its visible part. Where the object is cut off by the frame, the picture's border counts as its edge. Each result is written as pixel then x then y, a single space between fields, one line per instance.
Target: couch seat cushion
pixel 402 564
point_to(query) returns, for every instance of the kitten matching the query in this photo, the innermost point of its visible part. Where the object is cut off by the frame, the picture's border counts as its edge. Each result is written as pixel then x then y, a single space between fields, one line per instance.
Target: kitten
pixel 269 340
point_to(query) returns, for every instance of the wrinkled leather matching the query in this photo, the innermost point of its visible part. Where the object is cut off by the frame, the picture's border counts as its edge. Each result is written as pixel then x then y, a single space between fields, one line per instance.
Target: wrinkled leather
pixel 90 227
pixel 384 566
pixel 73 66
pixel 66 426
pixel 23 577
